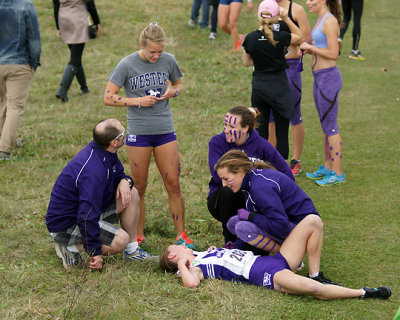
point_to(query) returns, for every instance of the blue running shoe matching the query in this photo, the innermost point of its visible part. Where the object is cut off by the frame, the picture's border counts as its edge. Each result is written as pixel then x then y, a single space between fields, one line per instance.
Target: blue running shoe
pixel 69 258
pixel 319 174
pixel 139 255
pixel 185 240
pixel 330 179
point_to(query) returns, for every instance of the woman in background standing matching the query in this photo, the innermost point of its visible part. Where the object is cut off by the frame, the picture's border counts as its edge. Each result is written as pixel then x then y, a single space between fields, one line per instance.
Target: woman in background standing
pixel 297 14
pixel 327 85
pixel 72 26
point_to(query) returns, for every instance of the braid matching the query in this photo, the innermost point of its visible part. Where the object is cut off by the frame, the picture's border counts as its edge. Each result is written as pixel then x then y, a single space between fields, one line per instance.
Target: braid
pixel 335 9
pixel 266 25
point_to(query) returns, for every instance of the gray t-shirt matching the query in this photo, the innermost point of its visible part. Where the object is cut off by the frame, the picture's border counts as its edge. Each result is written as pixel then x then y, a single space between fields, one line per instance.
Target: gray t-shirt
pixel 141 78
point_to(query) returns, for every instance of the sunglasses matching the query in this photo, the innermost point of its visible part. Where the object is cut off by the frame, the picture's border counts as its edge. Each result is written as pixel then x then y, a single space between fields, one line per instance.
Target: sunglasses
pixel 119 136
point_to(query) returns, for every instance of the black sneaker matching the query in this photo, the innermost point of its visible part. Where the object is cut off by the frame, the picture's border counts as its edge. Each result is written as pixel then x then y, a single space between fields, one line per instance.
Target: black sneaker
pixel 320 278
pixel 379 293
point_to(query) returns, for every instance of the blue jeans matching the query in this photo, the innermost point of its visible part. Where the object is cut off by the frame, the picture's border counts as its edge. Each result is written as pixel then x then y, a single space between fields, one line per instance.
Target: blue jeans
pixel 204 14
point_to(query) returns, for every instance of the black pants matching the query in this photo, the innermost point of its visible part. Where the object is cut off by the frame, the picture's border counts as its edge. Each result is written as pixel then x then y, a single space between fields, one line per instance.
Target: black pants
pixel 223 204
pixel 76 54
pixel 357 7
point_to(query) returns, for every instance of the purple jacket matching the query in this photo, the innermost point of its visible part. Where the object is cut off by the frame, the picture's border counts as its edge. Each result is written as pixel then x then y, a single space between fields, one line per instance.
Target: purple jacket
pixel 279 203
pixel 82 192
pixel 256 147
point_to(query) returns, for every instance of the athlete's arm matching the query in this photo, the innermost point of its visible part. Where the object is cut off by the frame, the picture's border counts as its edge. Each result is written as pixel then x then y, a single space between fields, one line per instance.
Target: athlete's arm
pixel 112 98
pixel 190 276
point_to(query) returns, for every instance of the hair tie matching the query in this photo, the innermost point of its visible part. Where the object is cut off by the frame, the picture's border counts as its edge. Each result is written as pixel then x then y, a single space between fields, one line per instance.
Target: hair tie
pixel 153 23
pixel 252 110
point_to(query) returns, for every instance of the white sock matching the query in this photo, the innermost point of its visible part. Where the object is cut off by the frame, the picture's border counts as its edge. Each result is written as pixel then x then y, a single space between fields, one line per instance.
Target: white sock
pixel 73 249
pixel 314 275
pixel 363 292
pixel 131 247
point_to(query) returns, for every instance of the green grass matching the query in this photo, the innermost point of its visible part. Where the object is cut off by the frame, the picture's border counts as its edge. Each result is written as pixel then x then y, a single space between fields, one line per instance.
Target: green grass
pixel 361 217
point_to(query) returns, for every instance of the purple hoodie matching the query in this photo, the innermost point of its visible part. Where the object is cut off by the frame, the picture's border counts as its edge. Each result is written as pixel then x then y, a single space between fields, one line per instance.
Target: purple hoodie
pixel 279 203
pixel 256 147
pixel 82 192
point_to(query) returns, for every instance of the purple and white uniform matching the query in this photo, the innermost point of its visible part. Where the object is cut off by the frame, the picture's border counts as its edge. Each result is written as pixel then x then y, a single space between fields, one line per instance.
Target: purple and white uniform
pixel 240 266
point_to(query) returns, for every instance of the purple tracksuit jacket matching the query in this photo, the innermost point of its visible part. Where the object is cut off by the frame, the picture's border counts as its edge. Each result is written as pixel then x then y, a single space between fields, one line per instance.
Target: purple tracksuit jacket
pixel 82 192
pixel 256 147
pixel 279 203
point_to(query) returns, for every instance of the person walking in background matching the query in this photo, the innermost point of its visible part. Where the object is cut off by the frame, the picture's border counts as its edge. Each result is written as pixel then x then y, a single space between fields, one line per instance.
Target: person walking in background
pixel 265 48
pixel 151 77
pixel 205 14
pixel 72 19
pixel 297 14
pixel 357 7
pixel 214 18
pixel 228 15
pixel 20 49
pixel 327 85
pixel 91 194
pixel 239 133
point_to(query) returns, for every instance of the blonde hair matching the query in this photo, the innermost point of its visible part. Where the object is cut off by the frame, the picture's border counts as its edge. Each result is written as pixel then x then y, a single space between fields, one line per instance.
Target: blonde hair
pixel 235 160
pixel 266 25
pixel 152 32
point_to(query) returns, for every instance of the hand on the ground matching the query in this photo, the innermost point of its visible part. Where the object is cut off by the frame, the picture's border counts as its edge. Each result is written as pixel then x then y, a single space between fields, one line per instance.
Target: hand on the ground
pixel 96 263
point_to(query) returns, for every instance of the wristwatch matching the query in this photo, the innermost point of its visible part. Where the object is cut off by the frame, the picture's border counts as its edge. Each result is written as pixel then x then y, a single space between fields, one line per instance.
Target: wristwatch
pixel 176 93
pixel 130 182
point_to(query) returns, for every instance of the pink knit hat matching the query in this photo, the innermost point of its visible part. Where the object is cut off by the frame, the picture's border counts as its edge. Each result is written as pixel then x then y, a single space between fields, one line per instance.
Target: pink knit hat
pixel 268 6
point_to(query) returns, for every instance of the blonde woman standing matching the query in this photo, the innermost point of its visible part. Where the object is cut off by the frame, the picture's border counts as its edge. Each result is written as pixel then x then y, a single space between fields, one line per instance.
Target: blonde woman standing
pixel 265 48
pixel 151 77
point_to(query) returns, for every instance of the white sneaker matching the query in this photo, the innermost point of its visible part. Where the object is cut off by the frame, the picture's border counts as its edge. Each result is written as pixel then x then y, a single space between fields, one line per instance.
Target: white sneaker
pixel 213 35
pixel 139 254
pixel 192 23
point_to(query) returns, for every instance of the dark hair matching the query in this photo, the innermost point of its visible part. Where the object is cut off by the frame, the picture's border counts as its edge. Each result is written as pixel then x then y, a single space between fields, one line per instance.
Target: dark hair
pixel 249 116
pixel 165 263
pixel 236 159
pixel 103 137
pixel 335 9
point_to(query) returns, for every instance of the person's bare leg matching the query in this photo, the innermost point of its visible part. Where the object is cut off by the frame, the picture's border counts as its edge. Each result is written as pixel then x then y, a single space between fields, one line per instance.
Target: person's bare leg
pixel 272 134
pixel 289 282
pixel 297 140
pixel 168 162
pixel 335 149
pixel 129 216
pixel 306 237
pixel 234 13
pixel 139 162
pixel 223 16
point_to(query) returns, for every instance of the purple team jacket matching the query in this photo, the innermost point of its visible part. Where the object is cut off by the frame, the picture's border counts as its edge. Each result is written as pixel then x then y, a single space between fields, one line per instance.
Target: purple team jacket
pixel 82 192
pixel 279 203
pixel 256 147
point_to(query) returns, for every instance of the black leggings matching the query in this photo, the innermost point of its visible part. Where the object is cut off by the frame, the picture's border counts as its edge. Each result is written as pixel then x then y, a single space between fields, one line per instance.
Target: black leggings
pixel 357 7
pixel 223 204
pixel 76 54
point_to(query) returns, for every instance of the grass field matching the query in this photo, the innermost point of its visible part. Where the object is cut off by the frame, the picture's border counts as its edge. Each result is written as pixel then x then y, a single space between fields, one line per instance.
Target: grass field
pixel 361 217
